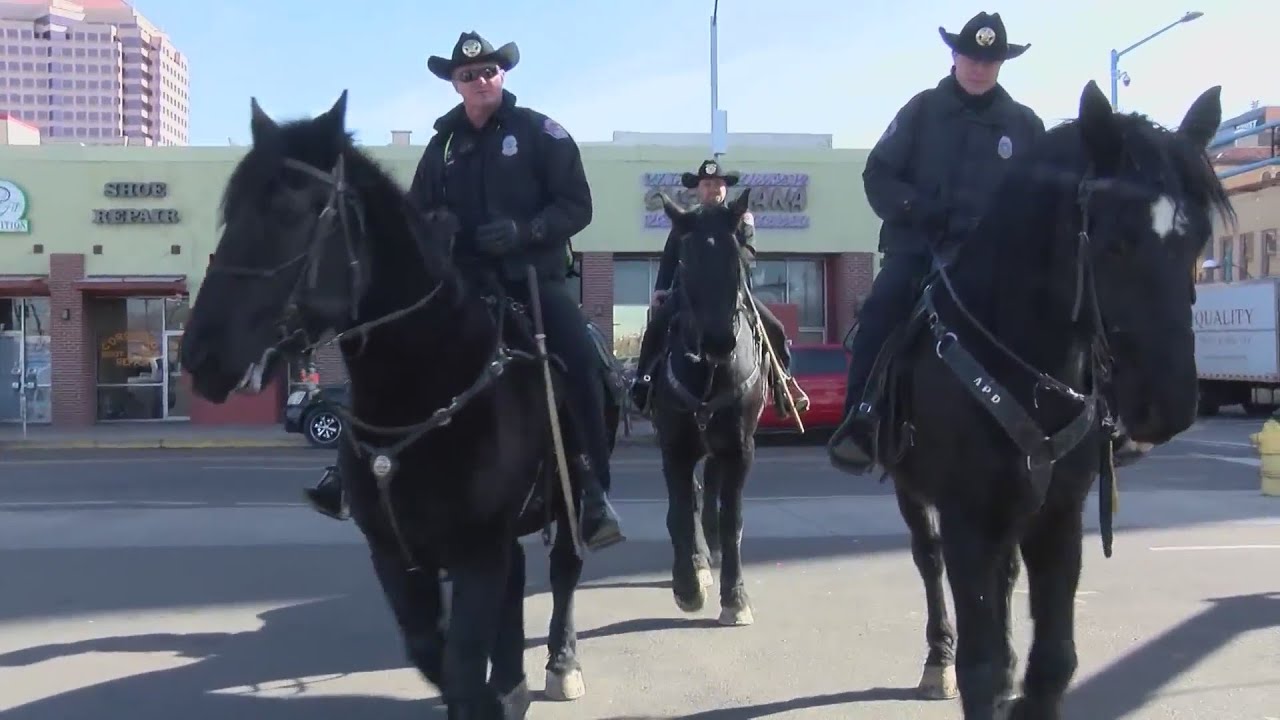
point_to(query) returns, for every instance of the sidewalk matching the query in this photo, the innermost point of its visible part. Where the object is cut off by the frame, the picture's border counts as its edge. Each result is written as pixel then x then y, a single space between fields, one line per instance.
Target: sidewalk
pixel 183 435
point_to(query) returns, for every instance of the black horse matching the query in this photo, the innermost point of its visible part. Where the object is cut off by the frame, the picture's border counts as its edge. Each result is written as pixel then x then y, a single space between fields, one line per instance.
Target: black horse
pixel 442 470
pixel 1073 294
pixel 707 399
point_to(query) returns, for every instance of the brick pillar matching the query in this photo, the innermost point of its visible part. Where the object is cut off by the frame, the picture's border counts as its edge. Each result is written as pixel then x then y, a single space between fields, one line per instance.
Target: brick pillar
pixel 597 290
pixel 74 395
pixel 330 365
pixel 850 275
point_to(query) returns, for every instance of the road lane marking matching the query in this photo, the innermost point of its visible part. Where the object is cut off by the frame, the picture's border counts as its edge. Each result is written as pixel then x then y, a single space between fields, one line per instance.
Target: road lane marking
pixel 1201 548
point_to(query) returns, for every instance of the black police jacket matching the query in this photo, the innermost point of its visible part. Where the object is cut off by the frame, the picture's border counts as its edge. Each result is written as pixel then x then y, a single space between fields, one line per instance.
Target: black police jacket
pixel 520 166
pixel 671 255
pixel 932 173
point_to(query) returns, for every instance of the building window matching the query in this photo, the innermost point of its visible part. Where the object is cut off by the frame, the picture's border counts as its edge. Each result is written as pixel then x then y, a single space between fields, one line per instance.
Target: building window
pixel 633 279
pixel 799 281
pixel 137 343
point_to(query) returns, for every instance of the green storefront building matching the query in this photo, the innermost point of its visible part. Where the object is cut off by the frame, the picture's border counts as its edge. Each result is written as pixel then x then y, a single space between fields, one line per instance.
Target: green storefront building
pixel 102 249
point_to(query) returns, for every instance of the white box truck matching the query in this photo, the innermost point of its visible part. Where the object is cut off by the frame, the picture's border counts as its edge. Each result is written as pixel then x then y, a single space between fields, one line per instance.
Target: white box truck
pixel 1237 345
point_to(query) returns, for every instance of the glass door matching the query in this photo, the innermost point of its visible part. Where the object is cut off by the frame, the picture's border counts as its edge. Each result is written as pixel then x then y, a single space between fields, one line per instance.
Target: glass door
pixel 25 362
pixel 178 404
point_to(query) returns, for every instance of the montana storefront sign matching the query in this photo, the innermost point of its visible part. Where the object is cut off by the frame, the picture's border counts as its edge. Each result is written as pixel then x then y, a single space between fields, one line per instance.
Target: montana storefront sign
pixel 13 208
pixel 779 201
pixel 136 215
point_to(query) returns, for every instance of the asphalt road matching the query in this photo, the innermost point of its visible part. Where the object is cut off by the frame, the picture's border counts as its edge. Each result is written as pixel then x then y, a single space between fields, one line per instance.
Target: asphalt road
pixel 166 583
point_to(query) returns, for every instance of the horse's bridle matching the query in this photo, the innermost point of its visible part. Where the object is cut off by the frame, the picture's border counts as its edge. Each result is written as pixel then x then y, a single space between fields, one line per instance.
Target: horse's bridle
pixel 705 404
pixel 1041 451
pixel 345 205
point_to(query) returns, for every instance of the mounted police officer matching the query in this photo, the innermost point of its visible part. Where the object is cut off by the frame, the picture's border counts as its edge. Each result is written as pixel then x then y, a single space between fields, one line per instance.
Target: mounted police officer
pixel 514 179
pixel 712 184
pixel 929 179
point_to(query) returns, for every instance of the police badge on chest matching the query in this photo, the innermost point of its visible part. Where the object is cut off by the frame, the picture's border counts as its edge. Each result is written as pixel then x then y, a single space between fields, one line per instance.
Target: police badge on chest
pixel 1005 147
pixel 509 146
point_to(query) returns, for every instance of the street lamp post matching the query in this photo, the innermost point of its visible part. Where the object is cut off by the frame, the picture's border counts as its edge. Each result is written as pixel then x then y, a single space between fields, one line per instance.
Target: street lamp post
pixel 719 118
pixel 1117 54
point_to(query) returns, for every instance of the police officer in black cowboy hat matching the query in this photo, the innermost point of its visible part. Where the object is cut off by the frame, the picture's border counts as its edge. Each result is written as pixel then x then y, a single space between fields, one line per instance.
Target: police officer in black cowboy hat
pixel 929 178
pixel 711 183
pixel 514 179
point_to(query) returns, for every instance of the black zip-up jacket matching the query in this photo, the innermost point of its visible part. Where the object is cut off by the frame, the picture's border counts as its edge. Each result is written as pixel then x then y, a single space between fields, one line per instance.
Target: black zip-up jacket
pixel 932 173
pixel 520 166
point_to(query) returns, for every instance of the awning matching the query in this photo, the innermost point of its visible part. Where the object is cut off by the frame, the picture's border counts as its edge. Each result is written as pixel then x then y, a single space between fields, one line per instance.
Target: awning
pixel 23 285
pixel 133 285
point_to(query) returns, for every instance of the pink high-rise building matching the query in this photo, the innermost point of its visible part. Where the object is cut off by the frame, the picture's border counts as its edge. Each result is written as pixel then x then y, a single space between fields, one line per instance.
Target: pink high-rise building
pixel 93 72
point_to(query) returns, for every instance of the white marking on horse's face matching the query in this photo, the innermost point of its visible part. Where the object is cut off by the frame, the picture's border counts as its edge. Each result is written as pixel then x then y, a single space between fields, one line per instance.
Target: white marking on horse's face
pixel 711 240
pixel 1165 217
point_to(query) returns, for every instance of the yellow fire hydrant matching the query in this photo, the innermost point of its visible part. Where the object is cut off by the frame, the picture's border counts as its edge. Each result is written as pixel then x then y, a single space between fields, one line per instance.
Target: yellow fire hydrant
pixel 1267 441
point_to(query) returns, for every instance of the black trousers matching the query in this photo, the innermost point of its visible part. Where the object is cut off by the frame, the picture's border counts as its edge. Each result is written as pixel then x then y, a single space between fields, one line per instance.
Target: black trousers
pixel 568 338
pixel 893 296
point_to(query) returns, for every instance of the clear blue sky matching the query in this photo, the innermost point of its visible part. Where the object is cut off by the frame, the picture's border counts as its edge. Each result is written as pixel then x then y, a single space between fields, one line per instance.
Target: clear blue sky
pixel 786 65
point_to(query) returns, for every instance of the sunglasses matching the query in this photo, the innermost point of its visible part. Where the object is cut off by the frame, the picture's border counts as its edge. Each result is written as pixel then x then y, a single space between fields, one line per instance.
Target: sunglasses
pixel 488 72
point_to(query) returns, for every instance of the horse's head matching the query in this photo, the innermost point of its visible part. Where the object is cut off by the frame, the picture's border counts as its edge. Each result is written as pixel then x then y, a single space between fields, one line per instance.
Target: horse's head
pixel 1146 203
pixel 292 263
pixel 711 273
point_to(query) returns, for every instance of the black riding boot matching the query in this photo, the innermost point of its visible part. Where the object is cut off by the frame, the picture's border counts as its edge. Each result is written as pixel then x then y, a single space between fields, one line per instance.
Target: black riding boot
pixel 650 343
pixel 850 446
pixel 327 497
pixel 597 520
pixel 777 336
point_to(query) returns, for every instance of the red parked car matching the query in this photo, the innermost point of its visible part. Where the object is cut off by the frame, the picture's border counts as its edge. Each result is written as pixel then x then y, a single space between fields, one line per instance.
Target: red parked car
pixel 823 372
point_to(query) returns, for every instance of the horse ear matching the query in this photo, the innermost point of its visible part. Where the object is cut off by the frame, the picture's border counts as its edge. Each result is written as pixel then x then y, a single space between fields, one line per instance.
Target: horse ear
pixel 741 204
pixel 1203 118
pixel 674 212
pixel 261 126
pixel 1098 126
pixel 336 116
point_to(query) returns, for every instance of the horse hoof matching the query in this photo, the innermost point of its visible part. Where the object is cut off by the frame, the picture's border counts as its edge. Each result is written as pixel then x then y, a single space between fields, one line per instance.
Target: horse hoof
pixel 693 604
pixel 569 686
pixel 939 683
pixel 705 578
pixel 737 617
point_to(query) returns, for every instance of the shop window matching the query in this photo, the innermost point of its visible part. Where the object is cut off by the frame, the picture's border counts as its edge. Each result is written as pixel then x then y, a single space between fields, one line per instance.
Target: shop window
pixel 137 346
pixel 633 279
pixel 799 281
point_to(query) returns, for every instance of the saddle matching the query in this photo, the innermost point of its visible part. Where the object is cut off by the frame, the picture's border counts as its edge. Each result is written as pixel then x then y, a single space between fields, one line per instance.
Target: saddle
pixel 886 394
pixel 518 337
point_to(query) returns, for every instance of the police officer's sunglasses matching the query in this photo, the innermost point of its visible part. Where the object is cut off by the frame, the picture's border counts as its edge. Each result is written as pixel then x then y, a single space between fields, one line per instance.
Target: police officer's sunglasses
pixel 488 72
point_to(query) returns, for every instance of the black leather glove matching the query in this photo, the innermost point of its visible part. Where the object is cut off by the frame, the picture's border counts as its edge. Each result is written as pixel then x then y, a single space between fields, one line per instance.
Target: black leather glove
pixel 498 238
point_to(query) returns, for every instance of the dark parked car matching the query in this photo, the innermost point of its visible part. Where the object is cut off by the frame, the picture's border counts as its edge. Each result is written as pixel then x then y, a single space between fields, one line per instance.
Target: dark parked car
pixel 311 413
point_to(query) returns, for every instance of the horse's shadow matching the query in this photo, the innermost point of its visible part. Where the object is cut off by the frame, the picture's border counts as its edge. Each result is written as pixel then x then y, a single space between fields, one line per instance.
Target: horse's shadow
pixel 232 669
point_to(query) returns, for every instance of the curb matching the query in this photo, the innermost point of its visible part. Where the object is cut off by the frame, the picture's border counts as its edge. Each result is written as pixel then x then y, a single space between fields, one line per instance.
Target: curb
pixel 156 444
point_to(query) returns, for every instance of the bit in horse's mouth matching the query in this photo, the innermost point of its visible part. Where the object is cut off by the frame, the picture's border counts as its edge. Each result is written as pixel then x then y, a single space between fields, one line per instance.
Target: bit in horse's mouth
pixel 253 375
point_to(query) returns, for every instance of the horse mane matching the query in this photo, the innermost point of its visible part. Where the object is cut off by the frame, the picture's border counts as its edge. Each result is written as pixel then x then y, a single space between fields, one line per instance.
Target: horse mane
pixel 1011 252
pixel 315 144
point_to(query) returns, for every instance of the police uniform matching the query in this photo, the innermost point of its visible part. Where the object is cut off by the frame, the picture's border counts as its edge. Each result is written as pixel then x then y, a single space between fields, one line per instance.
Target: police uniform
pixel 660 320
pixel 519 192
pixel 929 178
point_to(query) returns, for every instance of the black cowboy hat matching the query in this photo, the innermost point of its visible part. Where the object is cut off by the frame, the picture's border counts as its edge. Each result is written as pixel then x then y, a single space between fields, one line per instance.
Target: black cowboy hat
pixel 709 169
pixel 471 49
pixel 983 38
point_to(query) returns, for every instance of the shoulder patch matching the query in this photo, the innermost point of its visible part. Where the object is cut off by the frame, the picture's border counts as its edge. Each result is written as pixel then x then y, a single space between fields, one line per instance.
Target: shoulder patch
pixel 554 129
pixel 889 131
